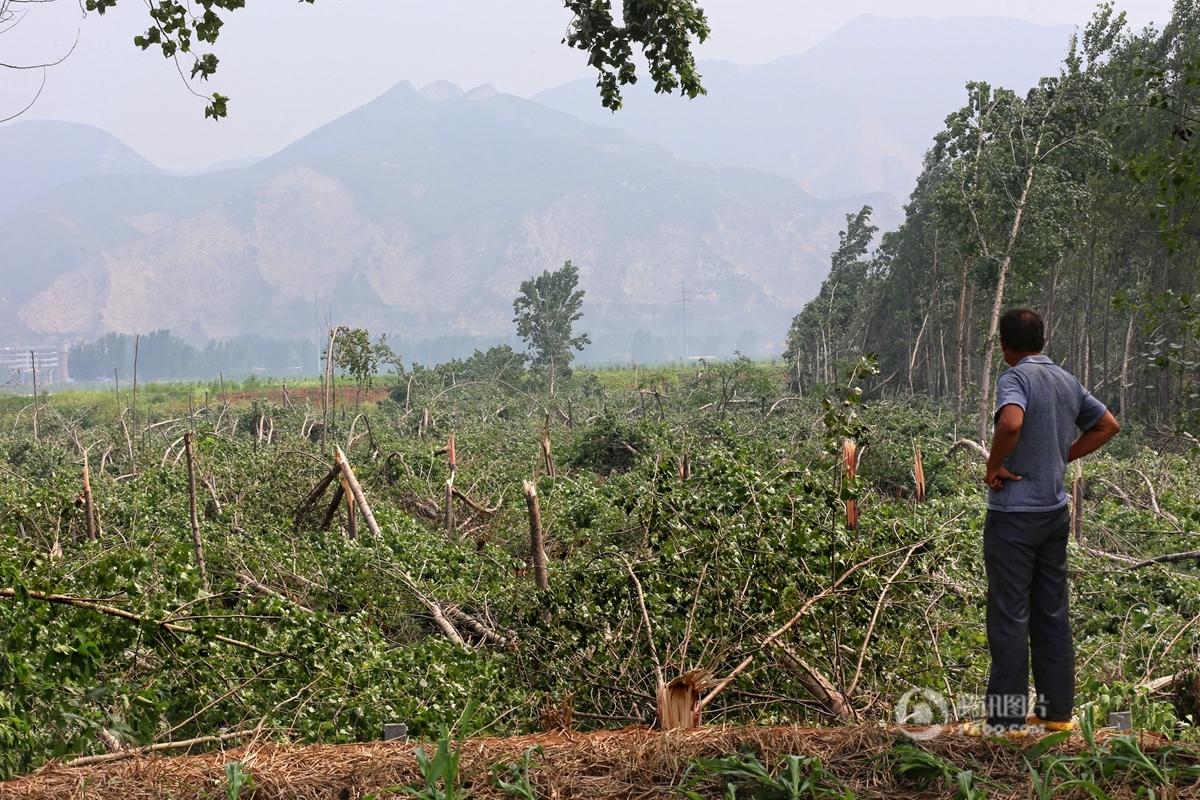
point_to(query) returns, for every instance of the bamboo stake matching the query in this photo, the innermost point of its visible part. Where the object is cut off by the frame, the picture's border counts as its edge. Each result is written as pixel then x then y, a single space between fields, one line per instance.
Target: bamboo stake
pixel 197 544
pixel 536 544
pixel 137 341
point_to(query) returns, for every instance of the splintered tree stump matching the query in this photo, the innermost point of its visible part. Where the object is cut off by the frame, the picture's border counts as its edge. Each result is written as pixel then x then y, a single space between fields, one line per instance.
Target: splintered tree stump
pixel 679 701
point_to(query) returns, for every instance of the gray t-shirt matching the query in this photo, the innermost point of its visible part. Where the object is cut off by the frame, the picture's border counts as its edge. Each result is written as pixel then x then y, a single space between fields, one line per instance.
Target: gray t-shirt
pixel 1055 404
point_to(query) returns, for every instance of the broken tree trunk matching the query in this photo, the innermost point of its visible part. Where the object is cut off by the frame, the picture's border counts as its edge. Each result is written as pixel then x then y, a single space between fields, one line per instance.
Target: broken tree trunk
pixel 312 497
pixel 970 444
pixel 918 474
pixel 1077 505
pixel 356 491
pixel 339 494
pixel 817 685
pixel 536 544
pixel 452 461
pixel 197 543
pixel 89 507
pixel 850 457
pixel 547 454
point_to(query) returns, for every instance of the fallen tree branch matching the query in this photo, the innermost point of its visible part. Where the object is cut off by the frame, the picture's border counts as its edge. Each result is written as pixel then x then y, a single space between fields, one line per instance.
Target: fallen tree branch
pixel 476 506
pixel 832 701
pixel 862 653
pixel 1169 558
pixel 174 627
pixel 84 761
pixel 781 401
pixel 785 627
pixel 261 588
pixel 972 445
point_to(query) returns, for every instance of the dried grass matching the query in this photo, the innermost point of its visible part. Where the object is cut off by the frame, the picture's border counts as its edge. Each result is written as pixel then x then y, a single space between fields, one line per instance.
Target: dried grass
pixel 628 764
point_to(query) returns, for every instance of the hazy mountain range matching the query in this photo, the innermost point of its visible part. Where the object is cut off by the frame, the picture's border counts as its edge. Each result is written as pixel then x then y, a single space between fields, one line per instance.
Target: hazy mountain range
pixel 421 212
pixel 854 114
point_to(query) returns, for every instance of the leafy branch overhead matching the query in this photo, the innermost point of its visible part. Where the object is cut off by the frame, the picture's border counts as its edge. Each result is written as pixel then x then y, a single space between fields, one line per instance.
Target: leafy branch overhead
pixel 664 30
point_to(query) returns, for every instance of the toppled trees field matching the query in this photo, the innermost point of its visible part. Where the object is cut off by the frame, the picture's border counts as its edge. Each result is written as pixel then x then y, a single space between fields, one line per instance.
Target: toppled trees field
pixel 671 548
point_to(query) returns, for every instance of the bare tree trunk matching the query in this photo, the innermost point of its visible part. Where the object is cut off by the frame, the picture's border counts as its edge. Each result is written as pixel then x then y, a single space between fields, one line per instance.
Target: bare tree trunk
pixel 137 340
pixel 197 543
pixel 453 463
pixel 536 544
pixel 89 507
pixel 326 386
pixel 985 378
pixel 960 329
pixel 1124 393
pixel 1050 318
pixel 33 372
pixel 356 491
pixel 912 362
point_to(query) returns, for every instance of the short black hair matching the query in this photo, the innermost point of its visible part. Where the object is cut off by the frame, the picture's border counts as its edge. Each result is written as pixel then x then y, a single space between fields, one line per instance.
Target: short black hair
pixel 1022 330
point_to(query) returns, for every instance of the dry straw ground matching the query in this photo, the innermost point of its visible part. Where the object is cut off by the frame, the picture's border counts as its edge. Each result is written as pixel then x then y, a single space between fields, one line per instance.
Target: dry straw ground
pixel 629 764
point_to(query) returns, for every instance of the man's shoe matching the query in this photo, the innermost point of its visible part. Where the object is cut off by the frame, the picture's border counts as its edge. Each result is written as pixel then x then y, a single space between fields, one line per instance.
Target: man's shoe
pixel 1050 725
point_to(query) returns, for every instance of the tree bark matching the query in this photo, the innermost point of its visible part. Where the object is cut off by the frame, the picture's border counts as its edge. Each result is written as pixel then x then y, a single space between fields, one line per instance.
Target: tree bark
pixel 536 543
pixel 197 543
pixel 985 379
pixel 356 491
pixel 89 507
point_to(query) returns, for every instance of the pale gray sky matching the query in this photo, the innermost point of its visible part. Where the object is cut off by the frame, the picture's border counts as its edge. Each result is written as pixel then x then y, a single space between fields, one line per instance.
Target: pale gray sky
pixel 290 67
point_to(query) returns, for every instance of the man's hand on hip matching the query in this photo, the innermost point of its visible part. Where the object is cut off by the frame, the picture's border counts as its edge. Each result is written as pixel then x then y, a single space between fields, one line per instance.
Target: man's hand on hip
pixel 995 478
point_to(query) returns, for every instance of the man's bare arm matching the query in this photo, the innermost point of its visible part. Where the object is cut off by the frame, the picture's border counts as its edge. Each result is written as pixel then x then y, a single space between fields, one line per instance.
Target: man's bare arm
pixel 1095 437
pixel 1008 432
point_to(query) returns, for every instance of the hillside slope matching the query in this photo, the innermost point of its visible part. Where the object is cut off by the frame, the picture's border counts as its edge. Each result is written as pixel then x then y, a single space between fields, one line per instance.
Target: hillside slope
pixel 421 212
pixel 37 155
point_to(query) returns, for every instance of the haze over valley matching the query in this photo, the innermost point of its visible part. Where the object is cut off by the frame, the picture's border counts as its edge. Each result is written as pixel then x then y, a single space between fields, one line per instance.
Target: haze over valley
pixel 420 213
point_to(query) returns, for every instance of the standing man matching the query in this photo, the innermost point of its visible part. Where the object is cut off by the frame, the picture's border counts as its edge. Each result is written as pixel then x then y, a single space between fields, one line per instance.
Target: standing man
pixel 1039 409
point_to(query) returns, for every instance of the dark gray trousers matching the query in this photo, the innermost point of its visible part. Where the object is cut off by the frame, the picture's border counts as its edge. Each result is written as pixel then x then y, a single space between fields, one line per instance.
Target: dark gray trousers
pixel 1026 558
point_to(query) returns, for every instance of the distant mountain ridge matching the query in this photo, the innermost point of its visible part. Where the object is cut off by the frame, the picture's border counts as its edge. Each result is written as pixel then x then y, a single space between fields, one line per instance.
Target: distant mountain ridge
pixel 37 155
pixel 854 114
pixel 421 212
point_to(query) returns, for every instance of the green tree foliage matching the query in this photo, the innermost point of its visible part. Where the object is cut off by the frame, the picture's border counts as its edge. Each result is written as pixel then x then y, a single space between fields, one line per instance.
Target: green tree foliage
pixel 1076 198
pixel 547 309
pixel 663 30
pixel 164 356
pixel 819 338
